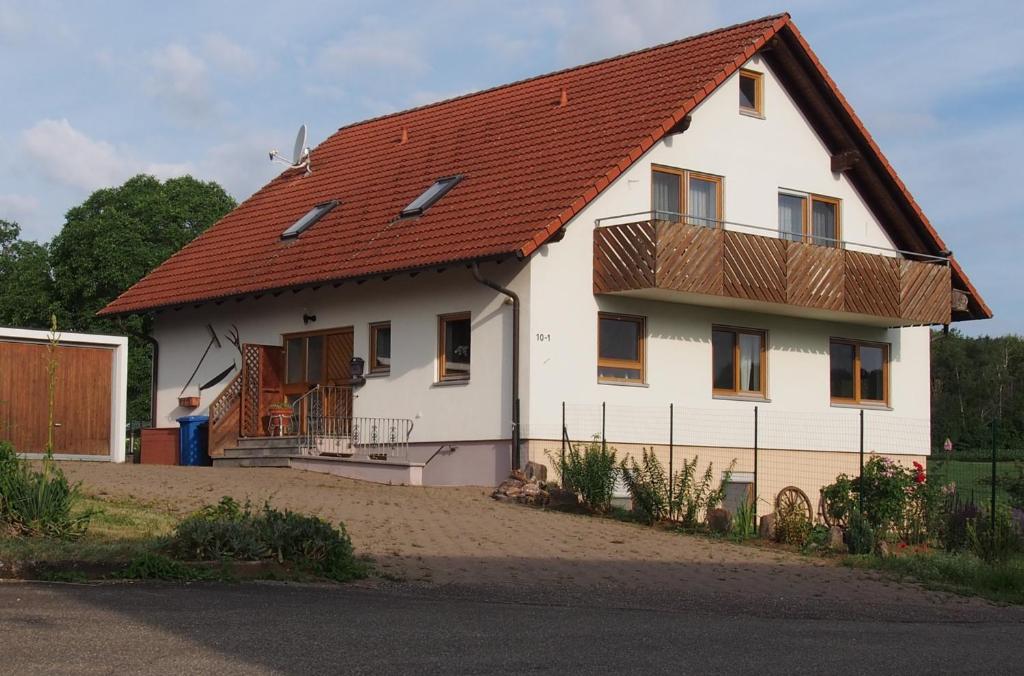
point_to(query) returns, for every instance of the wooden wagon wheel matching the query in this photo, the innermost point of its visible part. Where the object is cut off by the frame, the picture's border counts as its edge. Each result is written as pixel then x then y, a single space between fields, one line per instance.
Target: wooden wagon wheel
pixel 824 508
pixel 791 500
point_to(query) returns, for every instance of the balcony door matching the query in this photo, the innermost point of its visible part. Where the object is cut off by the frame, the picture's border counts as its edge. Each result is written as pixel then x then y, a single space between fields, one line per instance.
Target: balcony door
pixel 317 358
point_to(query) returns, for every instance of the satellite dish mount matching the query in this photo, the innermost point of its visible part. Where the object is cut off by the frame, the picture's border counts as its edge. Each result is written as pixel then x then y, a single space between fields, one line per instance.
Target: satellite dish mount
pixel 300 155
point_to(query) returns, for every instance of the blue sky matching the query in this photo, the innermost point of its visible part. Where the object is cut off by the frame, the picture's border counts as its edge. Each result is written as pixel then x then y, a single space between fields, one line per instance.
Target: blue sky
pixel 96 92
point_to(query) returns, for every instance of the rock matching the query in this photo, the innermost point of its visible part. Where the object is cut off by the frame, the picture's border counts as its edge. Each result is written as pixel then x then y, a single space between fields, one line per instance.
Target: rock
pixel 531 489
pixel 766 529
pixel 559 497
pixel 719 520
pixel 835 539
pixel 518 475
pixel 536 472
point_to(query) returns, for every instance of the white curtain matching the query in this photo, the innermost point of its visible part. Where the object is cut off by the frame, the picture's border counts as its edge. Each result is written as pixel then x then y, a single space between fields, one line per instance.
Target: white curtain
pixel 823 223
pixel 703 202
pixel 750 363
pixel 666 196
pixel 791 217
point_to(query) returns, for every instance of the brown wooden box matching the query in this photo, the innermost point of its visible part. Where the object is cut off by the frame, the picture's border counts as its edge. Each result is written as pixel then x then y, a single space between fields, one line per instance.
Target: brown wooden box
pixel 159 446
pixel 188 402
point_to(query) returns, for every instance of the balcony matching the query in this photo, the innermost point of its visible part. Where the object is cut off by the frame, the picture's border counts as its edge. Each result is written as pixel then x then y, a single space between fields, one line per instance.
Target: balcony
pixel 747 267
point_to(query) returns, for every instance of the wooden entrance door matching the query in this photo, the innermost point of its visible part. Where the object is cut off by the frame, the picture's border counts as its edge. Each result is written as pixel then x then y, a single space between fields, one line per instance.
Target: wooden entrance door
pixel 82 398
pixel 318 358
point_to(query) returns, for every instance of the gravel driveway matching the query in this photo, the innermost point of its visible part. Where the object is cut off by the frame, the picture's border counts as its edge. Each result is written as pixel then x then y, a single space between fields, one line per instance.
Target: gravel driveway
pixel 459 540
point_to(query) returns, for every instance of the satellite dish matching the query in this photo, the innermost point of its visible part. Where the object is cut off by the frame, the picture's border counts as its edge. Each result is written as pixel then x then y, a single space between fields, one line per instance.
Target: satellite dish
pixel 300 154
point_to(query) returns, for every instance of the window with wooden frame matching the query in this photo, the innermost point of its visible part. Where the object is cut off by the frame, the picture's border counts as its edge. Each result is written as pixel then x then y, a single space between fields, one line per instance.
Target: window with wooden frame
pixel 814 219
pixel 751 85
pixel 738 362
pixel 453 341
pixel 621 343
pixel 380 347
pixel 317 358
pixel 858 372
pixel 677 192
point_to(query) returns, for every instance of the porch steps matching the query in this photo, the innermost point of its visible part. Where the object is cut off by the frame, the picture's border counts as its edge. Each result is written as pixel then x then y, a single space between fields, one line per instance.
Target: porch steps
pixel 260 452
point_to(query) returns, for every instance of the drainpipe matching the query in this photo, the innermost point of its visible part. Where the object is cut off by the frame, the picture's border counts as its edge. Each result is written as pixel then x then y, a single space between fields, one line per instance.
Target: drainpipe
pixel 515 356
pixel 154 373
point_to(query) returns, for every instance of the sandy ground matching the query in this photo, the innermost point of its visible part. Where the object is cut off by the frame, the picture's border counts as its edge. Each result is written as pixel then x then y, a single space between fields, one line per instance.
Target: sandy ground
pixel 456 538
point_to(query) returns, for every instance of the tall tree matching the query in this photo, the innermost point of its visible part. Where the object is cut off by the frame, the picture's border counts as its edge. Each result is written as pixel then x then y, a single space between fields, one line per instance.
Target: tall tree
pixel 111 241
pixel 26 288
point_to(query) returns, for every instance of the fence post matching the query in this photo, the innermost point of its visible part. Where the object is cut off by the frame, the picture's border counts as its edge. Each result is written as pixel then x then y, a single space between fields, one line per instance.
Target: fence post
pixel 563 436
pixel 671 439
pixel 604 445
pixel 992 514
pixel 755 469
pixel 860 474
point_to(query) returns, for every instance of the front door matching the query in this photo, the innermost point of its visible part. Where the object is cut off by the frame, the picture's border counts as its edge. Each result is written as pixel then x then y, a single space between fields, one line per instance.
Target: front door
pixel 319 358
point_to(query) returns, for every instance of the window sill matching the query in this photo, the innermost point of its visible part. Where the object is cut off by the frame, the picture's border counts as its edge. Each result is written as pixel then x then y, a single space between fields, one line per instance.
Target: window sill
pixel 862 406
pixel 378 374
pixel 451 383
pixel 739 397
pixel 752 113
pixel 621 384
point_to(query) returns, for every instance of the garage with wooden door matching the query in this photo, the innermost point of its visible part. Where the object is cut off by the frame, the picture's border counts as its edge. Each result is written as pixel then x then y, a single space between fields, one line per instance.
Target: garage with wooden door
pixel 89 388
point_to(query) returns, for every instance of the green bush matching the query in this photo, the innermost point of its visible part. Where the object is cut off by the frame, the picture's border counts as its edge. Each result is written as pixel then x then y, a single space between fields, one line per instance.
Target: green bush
pixel 994 541
pixel 590 472
pixel 860 536
pixel 743 520
pixel 37 503
pixel 958 516
pixel 648 486
pixel 232 531
pixel 693 497
pixel 792 528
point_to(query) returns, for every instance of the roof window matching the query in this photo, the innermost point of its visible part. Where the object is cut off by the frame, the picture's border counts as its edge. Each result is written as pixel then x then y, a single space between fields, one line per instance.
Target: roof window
pixel 311 217
pixel 430 195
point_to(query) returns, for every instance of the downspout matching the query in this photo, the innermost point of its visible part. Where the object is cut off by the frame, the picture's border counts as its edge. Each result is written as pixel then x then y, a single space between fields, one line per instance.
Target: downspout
pixel 515 356
pixel 153 374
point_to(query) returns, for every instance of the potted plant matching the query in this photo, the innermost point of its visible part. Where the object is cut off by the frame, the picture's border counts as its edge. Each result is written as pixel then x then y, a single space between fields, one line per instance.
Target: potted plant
pixel 281 407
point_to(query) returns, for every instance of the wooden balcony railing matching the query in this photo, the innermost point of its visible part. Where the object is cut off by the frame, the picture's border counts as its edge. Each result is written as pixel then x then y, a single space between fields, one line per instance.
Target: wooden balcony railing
pixel 714 261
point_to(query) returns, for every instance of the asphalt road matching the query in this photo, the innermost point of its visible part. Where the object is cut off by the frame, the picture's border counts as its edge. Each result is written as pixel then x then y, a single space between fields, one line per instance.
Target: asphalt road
pixel 307 629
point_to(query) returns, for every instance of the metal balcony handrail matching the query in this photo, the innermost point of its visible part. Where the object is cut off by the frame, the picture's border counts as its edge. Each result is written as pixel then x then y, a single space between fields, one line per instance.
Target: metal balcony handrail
pixel 720 223
pixel 324 425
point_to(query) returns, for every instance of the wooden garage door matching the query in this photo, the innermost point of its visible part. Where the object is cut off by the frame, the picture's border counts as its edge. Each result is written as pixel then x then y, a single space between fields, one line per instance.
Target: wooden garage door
pixel 81 403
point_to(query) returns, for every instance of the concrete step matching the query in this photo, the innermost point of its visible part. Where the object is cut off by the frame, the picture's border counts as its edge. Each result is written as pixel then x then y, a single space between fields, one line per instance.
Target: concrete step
pixel 262 452
pixel 252 462
pixel 266 442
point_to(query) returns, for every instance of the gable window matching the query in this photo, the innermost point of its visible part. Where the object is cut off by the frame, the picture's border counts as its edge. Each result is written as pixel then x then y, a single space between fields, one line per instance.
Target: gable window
pixel 751 92
pixel 738 361
pixel 809 218
pixel 311 217
pixel 620 348
pixel 679 192
pixel 453 347
pixel 431 195
pixel 858 372
pixel 380 347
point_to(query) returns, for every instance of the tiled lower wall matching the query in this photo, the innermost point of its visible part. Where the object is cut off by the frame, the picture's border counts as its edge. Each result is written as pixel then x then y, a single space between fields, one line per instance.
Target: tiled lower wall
pixel 777 469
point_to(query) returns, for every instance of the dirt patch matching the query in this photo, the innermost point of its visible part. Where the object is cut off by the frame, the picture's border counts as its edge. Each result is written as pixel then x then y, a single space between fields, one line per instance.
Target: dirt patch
pixel 461 537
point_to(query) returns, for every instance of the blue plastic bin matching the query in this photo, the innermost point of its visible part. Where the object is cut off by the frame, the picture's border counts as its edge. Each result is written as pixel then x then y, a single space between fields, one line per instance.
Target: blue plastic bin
pixel 193 449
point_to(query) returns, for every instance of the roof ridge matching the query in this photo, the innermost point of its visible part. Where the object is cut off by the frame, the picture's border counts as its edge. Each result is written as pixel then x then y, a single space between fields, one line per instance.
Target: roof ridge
pixel 562 71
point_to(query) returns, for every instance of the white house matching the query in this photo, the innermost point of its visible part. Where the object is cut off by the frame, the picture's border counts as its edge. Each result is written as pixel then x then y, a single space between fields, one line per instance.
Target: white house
pixel 704 224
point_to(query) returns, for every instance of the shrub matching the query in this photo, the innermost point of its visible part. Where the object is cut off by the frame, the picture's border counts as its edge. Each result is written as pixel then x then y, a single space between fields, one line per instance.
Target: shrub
pixel 993 541
pixel 693 497
pixel 792 527
pixel 589 471
pixel 840 498
pixel 743 520
pixel 232 531
pixel 648 486
pixel 860 536
pixel 38 503
pixel 958 516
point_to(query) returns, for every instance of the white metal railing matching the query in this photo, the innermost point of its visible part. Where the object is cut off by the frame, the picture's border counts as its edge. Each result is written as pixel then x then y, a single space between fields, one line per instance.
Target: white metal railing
pixel 764 231
pixel 325 426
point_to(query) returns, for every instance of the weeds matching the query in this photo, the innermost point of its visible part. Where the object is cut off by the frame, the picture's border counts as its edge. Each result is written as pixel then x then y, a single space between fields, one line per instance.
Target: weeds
pixel 590 472
pixel 38 503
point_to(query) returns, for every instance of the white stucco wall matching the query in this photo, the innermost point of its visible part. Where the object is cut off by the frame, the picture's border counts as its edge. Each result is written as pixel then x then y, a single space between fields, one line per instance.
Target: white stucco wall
pixel 475 410
pixel 757 157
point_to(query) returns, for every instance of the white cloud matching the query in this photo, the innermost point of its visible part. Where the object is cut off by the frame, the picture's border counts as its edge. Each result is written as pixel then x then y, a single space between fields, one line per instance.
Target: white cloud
pixel 66 155
pixel 608 27
pixel 374 50
pixel 180 81
pixel 18 208
pixel 228 55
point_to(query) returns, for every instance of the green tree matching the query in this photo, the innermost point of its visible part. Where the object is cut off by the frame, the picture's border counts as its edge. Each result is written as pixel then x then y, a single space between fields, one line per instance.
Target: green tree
pixel 112 240
pixel 26 288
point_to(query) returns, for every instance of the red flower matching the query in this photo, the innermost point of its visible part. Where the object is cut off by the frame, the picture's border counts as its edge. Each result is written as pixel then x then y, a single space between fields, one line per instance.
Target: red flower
pixel 919 473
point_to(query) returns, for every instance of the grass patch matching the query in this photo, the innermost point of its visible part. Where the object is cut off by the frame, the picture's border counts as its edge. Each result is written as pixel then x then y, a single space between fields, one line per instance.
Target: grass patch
pixel 119 530
pixel 964 574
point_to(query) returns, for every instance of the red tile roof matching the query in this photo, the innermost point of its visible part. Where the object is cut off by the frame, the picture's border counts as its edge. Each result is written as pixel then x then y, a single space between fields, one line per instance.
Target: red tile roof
pixel 529 165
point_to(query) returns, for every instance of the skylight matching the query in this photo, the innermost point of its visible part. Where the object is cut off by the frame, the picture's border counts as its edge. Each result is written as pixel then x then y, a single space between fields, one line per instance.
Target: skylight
pixel 311 217
pixel 430 195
